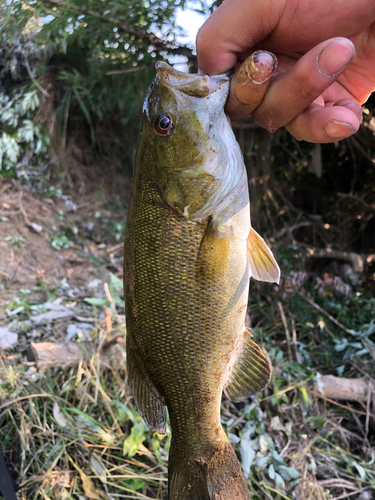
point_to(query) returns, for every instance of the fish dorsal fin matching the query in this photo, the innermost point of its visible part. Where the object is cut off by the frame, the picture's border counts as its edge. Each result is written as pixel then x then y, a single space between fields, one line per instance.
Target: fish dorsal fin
pixel 149 402
pixel 263 266
pixel 251 373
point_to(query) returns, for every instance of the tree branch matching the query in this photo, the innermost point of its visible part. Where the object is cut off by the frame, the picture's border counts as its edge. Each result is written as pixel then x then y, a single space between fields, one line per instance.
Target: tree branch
pixel 141 34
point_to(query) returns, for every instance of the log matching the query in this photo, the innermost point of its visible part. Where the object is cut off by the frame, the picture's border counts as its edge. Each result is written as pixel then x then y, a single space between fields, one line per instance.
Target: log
pixel 350 389
pixel 68 354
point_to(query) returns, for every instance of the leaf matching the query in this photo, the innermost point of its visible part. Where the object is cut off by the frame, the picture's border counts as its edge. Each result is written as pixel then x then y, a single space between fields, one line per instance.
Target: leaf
pixel 305 399
pixel 276 458
pixel 279 480
pixel 276 424
pixel 288 473
pixel 135 439
pixel 86 113
pixel 96 302
pixel 262 460
pixel 58 415
pixel 247 455
pixel 360 470
pixel 7 338
pixel 271 472
pixel 89 487
pixel 97 467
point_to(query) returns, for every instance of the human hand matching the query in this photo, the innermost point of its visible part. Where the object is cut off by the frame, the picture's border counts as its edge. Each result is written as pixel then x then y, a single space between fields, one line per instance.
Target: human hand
pixel 322 78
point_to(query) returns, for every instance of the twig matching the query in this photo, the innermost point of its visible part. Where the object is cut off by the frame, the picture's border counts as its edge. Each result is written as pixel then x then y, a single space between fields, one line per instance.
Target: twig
pixel 37 84
pixel 287 335
pixel 346 495
pixel 36 227
pixel 294 337
pixel 291 229
pixel 115 248
pixel 130 70
pixel 314 304
pixel 368 413
pixel 370 349
pixel 361 150
pixel 358 198
pixel 111 301
pixel 328 253
pixel 22 210
pixel 317 393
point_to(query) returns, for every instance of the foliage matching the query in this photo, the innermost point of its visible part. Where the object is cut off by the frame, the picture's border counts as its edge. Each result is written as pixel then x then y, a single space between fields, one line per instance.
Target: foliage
pixel 87 42
pixel 289 441
pixel 21 139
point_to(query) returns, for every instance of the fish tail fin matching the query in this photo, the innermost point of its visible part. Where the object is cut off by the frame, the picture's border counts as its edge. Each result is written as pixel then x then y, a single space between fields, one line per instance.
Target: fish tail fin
pixel 219 478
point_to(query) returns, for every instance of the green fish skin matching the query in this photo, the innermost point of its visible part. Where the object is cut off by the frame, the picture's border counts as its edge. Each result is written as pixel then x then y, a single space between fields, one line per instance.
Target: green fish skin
pixel 188 256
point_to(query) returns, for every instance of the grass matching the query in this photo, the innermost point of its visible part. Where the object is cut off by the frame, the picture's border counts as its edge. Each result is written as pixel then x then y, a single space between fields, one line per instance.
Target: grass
pixel 75 433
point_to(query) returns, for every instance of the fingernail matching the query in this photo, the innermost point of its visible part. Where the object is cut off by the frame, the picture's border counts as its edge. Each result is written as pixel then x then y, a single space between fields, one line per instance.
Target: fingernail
pixel 335 57
pixel 355 108
pixel 264 61
pixel 338 130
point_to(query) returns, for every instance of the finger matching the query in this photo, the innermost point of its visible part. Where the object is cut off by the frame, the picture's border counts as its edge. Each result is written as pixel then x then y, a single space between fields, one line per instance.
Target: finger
pixel 290 93
pixel 249 84
pixel 320 124
pixel 234 27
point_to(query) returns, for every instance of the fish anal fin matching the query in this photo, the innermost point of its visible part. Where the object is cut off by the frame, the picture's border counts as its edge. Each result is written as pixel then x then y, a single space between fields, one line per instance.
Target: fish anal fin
pixel 214 251
pixel 263 266
pixel 149 402
pixel 250 374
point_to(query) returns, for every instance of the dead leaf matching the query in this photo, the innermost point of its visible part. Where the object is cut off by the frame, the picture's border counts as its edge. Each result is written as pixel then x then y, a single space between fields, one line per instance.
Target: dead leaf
pixel 58 415
pixel 7 338
pixel 89 487
pixel 97 467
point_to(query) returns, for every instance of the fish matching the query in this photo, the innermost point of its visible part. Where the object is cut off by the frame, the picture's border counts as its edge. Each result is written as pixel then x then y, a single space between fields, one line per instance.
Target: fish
pixel 189 253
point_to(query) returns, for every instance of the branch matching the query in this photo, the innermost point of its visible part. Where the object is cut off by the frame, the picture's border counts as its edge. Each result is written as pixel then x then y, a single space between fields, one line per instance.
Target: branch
pixel 141 34
pixel 327 253
pixel 130 70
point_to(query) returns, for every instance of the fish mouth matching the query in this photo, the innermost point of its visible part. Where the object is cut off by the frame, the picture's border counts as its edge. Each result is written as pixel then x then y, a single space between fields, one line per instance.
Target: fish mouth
pixel 192 84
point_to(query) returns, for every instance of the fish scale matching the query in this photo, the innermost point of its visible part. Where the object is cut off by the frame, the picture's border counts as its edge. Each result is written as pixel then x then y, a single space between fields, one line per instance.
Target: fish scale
pixel 186 280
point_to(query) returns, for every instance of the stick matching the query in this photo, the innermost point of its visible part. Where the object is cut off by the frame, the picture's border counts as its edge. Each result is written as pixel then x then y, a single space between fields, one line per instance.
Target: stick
pixel 326 253
pixel 294 337
pixel 130 70
pixel 314 304
pixel 287 334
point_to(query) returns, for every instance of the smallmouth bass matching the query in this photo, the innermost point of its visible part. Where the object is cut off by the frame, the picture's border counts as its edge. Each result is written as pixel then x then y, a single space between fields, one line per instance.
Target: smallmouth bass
pixel 188 257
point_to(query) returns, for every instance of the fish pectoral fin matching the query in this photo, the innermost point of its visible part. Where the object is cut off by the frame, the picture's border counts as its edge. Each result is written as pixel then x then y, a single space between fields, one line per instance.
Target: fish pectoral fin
pixel 263 266
pixel 214 251
pixel 149 402
pixel 250 374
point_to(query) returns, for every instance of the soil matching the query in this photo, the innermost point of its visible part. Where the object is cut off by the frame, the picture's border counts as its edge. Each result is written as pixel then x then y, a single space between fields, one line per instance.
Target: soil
pixel 27 223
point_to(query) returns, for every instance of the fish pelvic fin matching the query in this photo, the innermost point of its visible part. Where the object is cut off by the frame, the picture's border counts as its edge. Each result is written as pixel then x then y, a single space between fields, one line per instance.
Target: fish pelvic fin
pixel 263 266
pixel 250 374
pixel 149 402
pixel 218 478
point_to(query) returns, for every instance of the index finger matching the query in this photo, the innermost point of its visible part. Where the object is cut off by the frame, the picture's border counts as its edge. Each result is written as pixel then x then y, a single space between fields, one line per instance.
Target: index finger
pixel 234 28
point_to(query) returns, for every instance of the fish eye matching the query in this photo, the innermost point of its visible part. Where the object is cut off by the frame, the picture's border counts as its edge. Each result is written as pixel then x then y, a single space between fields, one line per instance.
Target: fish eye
pixel 163 124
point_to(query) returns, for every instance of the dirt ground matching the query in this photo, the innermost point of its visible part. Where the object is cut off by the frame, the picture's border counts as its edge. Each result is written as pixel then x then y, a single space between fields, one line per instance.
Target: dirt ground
pixel 30 225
